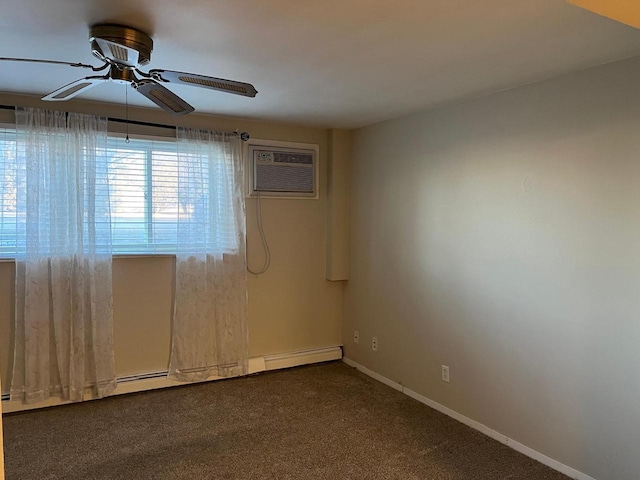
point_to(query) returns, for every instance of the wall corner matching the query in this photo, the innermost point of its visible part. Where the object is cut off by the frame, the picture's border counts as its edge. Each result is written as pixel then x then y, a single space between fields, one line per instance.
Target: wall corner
pixel 338 204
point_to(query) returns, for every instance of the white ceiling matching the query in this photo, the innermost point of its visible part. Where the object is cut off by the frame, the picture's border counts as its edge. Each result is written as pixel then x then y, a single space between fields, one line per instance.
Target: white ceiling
pixel 327 63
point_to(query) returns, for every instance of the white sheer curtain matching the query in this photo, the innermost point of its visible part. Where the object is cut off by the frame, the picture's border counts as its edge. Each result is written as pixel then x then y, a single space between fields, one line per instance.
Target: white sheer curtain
pixel 209 335
pixel 63 330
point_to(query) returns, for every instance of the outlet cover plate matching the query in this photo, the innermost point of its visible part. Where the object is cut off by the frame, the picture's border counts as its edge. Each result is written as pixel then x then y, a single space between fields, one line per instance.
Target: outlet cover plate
pixel 445 373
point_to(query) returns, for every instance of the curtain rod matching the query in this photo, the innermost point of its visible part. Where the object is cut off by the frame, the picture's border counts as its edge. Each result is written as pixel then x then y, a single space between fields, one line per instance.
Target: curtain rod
pixel 244 136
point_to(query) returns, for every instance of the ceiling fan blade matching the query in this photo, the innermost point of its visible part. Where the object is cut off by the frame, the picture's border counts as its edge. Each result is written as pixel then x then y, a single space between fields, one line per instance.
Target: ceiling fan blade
pixel 163 97
pixel 220 84
pixel 624 11
pixel 53 62
pixel 74 88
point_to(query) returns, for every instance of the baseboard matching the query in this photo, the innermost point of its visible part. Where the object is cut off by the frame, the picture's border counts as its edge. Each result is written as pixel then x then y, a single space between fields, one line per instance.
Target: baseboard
pixel 372 374
pixel 155 380
pixel 517 446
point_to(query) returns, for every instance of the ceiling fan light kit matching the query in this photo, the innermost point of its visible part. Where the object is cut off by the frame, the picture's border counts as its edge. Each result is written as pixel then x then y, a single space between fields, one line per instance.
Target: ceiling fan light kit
pixel 123 50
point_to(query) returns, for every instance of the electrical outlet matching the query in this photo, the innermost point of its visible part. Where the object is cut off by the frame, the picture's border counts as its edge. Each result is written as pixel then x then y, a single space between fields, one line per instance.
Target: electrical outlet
pixel 445 373
pixel 356 336
pixel 374 344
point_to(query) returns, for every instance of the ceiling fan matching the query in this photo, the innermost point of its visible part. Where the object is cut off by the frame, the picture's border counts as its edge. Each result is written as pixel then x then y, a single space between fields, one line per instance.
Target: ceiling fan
pixel 123 50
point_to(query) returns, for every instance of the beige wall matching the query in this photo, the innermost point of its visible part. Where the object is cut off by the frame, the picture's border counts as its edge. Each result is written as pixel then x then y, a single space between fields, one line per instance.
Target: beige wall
pixel 1 446
pixel 291 307
pixel 502 237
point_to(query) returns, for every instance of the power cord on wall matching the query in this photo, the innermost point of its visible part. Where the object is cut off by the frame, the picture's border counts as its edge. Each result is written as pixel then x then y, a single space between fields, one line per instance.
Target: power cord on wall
pixel 263 238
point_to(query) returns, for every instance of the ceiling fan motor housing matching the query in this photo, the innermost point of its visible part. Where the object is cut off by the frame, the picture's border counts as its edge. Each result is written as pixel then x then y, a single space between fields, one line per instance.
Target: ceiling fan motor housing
pixel 120 45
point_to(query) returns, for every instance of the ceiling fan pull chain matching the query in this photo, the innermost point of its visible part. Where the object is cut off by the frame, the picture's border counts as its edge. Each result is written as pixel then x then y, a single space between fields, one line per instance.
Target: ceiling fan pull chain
pixel 126 111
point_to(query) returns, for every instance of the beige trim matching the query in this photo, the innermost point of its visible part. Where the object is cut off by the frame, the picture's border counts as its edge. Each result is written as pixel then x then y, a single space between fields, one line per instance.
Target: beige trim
pixel 623 11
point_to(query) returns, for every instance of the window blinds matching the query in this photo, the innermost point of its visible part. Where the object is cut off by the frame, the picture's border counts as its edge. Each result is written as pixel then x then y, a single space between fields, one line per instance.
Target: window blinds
pixel 145 208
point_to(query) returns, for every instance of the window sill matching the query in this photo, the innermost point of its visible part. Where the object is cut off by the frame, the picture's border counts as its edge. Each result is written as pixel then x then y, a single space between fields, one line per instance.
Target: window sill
pixel 144 255
pixel 115 256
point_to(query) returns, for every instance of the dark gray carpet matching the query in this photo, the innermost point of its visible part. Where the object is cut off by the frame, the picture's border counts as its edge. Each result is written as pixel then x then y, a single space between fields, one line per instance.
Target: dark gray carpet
pixel 319 422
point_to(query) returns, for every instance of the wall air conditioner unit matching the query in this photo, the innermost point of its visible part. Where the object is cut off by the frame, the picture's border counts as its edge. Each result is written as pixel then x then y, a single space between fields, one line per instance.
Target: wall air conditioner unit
pixel 282 169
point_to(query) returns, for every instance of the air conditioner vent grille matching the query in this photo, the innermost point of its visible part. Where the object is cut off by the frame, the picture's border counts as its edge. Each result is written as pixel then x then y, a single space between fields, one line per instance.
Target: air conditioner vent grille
pixel 284 171
pixel 286 157
pixel 284 178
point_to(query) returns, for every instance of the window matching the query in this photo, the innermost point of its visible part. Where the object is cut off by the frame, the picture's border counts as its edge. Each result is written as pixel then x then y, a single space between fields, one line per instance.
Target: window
pixel 7 193
pixel 143 184
pixel 143 178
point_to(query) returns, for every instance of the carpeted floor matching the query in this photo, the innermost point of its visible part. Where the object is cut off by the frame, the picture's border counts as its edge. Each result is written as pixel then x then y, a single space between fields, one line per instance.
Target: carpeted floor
pixel 319 422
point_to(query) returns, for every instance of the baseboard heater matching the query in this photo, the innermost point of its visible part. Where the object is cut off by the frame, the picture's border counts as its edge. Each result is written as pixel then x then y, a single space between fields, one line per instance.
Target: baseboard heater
pixel 151 380
pixel 142 376
pixel 126 379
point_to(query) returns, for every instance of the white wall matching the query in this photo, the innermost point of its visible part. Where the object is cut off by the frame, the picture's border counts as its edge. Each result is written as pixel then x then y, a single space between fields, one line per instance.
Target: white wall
pixel 501 237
